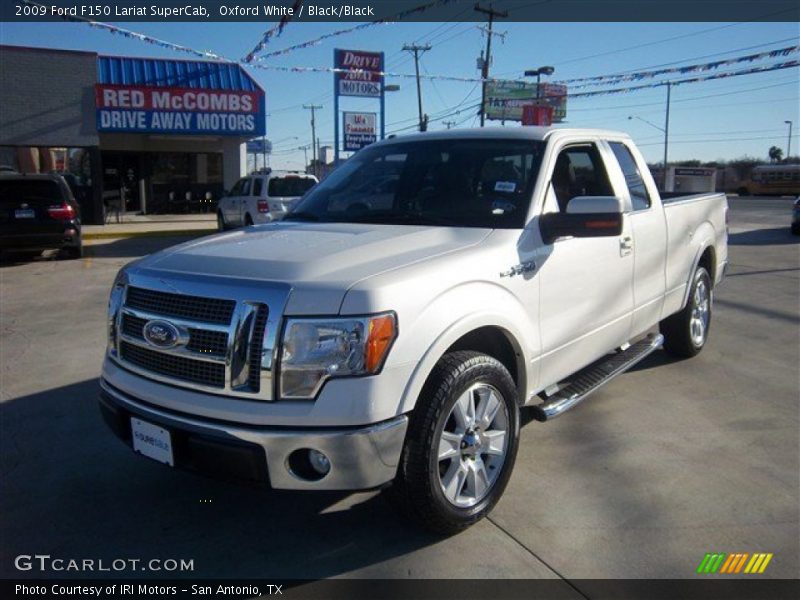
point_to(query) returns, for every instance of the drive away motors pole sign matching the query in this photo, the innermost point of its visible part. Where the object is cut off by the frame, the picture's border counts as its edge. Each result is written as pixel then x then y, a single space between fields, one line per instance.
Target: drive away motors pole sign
pixel 365 78
pixel 358 73
pixel 360 130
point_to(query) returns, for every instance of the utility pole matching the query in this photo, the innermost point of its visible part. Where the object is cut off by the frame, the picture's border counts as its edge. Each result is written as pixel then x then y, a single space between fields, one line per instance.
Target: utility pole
pixel 313 108
pixel 417 50
pixel 449 124
pixel 492 14
pixel 305 157
pixel 666 135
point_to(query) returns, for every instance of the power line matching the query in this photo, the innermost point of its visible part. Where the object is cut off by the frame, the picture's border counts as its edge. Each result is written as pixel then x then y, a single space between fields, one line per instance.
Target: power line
pixel 671 39
pixel 744 139
pixel 692 99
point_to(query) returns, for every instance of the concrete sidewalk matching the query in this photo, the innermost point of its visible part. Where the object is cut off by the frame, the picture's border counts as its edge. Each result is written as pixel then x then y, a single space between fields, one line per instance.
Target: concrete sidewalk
pixel 132 225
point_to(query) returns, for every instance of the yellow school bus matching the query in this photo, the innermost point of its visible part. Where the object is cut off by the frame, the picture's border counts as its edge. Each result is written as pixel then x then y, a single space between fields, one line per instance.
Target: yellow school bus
pixel 772 180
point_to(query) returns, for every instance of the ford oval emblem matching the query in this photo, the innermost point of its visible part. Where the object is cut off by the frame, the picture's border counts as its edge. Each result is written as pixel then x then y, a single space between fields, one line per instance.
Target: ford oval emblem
pixel 161 334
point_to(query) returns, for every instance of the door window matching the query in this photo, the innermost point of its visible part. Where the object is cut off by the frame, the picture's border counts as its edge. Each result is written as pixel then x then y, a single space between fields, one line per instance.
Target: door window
pixel 257 185
pixel 579 171
pixel 242 187
pixel 640 199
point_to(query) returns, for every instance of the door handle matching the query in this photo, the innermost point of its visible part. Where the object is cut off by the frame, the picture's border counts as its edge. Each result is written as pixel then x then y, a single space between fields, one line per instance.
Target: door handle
pixel 625 245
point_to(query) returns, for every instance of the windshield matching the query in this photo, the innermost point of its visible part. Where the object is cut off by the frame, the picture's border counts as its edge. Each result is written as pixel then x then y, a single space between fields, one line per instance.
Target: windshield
pixel 29 190
pixel 289 186
pixel 453 182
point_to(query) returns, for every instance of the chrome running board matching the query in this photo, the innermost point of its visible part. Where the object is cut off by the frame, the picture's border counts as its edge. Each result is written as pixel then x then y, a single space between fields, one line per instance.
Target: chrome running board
pixel 595 377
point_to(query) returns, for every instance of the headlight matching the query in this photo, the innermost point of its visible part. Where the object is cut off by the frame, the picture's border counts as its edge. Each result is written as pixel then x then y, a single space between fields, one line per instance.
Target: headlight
pixel 314 350
pixel 114 304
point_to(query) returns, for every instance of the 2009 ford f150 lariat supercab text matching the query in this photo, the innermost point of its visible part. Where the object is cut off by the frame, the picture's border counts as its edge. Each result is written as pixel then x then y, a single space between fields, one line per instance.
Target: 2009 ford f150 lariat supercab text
pixel 390 329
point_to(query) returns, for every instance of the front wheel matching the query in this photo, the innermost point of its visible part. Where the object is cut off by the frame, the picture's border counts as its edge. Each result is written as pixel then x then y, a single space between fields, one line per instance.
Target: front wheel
pixel 461 443
pixel 686 332
pixel 221 226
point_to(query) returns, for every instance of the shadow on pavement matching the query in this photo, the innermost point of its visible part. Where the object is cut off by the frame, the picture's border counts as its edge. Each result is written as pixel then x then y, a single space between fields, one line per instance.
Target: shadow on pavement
pixel 133 247
pixel 13 258
pixel 764 237
pixel 73 490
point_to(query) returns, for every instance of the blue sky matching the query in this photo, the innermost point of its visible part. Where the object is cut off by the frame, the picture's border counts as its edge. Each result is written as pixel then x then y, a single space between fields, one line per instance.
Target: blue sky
pixel 728 118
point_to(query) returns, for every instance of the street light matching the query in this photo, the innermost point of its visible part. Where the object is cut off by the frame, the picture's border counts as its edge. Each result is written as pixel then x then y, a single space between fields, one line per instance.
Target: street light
pixel 538 74
pixel 789 140
pixel 665 131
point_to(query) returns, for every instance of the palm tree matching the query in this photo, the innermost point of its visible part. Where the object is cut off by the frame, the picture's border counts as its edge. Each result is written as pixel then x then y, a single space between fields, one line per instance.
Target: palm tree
pixel 775 154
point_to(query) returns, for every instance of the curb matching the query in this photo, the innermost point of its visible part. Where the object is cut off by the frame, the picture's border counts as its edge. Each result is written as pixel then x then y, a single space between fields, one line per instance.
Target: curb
pixel 165 233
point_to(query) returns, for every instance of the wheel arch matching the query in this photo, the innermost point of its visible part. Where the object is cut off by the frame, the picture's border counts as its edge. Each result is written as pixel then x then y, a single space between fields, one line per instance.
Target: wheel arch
pixel 494 336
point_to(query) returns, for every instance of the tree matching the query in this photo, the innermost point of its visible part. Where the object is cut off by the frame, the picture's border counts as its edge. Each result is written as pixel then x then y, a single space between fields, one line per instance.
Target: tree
pixel 775 154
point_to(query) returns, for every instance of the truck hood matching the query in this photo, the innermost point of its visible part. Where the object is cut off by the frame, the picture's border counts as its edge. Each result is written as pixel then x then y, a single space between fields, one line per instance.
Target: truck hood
pixel 319 261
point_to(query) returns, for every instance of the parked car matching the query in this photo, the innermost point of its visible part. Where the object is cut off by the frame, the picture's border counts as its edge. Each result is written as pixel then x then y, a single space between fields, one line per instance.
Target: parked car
pixel 262 198
pixel 348 347
pixel 38 212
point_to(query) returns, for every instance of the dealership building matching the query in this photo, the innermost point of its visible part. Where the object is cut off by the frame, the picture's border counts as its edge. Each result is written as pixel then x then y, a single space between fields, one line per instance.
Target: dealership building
pixel 132 134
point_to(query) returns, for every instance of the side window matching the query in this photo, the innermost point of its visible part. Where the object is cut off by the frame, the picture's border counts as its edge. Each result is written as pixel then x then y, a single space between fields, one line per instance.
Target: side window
pixel 257 185
pixel 579 171
pixel 241 187
pixel 640 199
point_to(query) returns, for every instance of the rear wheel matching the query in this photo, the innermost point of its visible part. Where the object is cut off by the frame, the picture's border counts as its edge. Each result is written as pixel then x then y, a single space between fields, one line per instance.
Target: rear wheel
pixel 461 443
pixel 686 332
pixel 72 252
pixel 248 220
pixel 221 222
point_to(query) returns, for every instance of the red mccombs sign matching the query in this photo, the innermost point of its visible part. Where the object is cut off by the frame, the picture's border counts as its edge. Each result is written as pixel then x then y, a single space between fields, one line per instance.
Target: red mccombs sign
pixel 179 110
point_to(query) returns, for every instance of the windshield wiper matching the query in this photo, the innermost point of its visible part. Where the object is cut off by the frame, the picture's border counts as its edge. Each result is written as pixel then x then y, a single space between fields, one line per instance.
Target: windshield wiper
pixel 301 216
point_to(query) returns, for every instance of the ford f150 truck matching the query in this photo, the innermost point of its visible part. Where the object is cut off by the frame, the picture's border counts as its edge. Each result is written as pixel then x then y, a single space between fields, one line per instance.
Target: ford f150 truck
pixel 390 339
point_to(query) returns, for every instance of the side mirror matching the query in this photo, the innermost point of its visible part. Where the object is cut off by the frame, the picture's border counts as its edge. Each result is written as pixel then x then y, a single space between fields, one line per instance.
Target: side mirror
pixel 586 216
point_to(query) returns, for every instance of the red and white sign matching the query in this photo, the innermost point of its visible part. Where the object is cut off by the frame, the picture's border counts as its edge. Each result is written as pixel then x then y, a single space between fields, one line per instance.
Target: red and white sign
pixel 360 130
pixel 184 99
pixel 364 76
pixel 184 111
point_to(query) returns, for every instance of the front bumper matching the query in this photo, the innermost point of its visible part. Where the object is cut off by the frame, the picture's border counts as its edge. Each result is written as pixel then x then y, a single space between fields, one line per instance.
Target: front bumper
pixel 361 457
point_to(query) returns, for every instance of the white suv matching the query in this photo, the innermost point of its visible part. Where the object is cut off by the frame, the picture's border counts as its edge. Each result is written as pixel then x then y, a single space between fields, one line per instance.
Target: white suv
pixel 262 197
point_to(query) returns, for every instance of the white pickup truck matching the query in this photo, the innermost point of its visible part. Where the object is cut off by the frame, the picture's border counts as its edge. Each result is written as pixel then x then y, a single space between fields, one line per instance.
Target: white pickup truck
pixel 390 339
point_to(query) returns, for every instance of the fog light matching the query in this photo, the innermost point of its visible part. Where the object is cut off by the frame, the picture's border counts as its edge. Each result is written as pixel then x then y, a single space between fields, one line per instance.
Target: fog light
pixel 319 462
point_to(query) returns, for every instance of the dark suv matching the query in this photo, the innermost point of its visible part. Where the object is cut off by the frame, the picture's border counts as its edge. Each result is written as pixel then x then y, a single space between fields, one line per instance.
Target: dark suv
pixel 38 212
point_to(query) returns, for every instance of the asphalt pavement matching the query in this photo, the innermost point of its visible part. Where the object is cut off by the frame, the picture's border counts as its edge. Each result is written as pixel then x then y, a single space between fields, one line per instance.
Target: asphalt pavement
pixel 670 461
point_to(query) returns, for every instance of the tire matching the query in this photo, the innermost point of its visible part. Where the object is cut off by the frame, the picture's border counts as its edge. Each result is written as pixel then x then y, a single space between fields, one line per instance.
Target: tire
pixel 221 222
pixel 796 228
pixel 686 332
pixel 461 387
pixel 248 221
pixel 743 191
pixel 71 252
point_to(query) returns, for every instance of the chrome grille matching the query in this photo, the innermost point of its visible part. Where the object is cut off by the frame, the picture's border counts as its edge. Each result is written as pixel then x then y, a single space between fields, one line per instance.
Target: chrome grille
pixel 178 367
pixel 209 310
pixel 254 378
pixel 200 340
pixel 226 335
pixel 208 342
